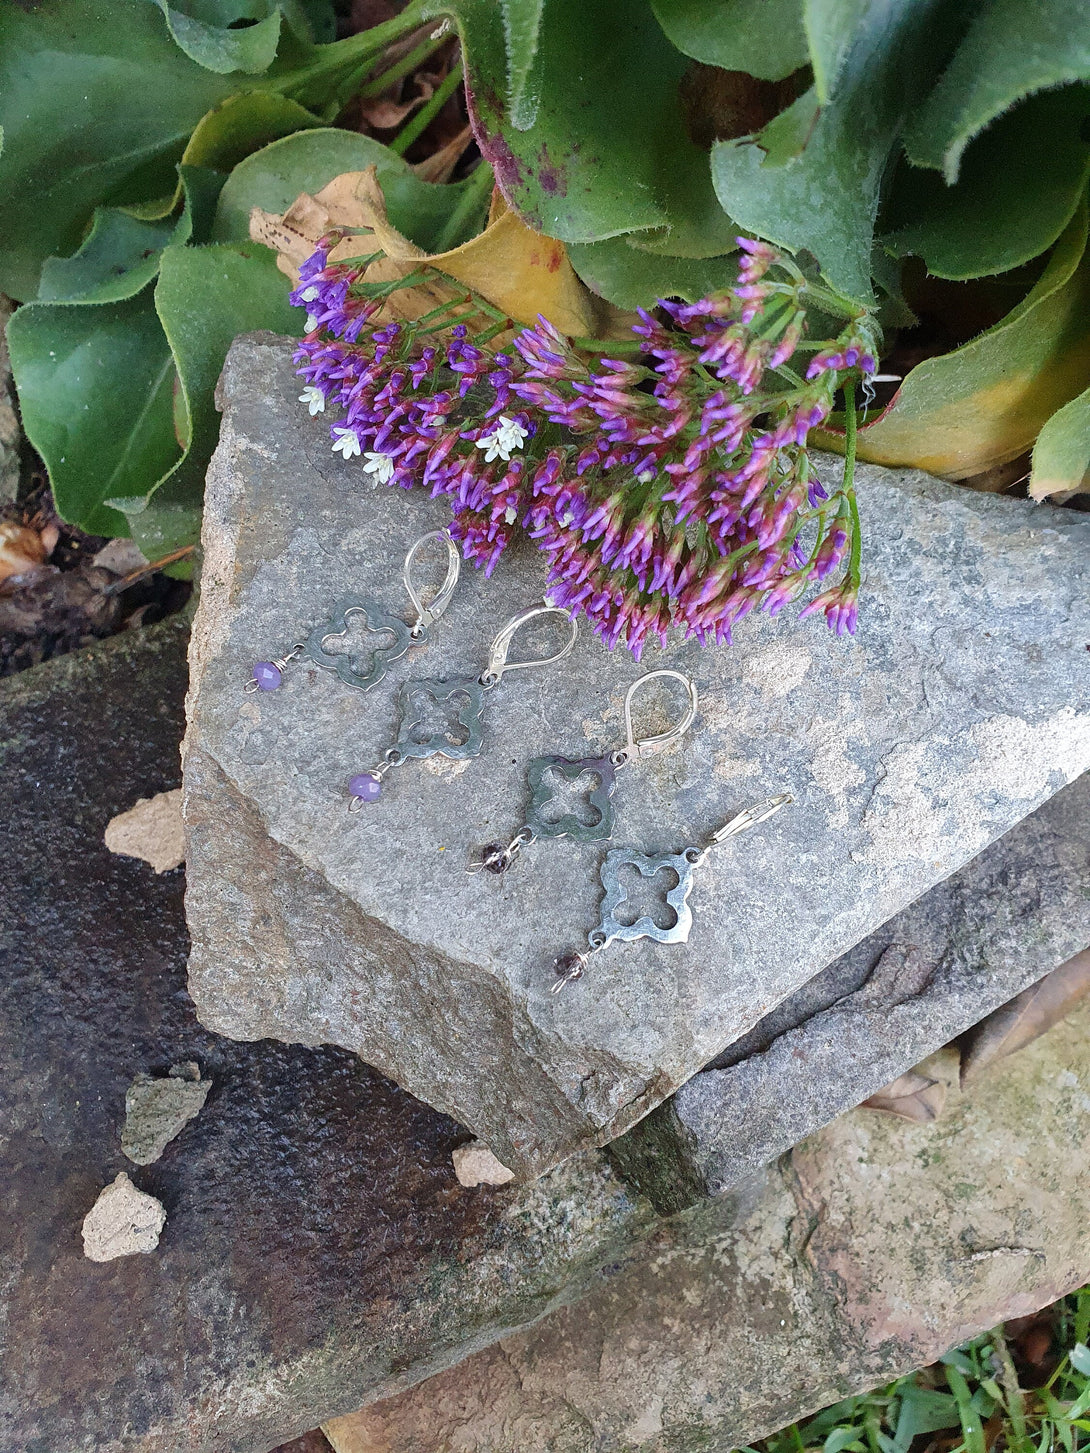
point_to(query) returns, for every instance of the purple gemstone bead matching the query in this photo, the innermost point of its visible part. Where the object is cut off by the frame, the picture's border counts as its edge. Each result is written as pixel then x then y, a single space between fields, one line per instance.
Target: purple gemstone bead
pixel 366 786
pixel 267 676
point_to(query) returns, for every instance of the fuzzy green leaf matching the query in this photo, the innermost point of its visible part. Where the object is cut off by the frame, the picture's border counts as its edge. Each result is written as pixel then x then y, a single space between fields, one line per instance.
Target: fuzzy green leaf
pixel 119 257
pixel 522 30
pixel 764 37
pixel 206 31
pixel 633 278
pixel 273 177
pixel 1017 189
pixel 205 296
pixel 608 152
pixel 986 402
pixel 1061 462
pixel 97 103
pixel 825 199
pixel 1011 50
pixel 95 383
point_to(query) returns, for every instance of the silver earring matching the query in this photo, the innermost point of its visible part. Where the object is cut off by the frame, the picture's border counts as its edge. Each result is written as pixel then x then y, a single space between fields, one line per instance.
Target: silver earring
pixel 464 699
pixel 366 667
pixel 542 772
pixel 574 965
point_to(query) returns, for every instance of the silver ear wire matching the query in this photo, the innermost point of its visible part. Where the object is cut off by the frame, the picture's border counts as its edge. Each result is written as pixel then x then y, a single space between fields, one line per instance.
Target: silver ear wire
pixel 498 664
pixel 648 746
pixel 427 614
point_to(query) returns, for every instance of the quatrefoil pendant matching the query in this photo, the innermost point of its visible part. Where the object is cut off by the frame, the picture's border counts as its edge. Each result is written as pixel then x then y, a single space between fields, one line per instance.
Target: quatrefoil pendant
pixel 464 700
pixel 677 898
pixel 347 664
pixel 543 792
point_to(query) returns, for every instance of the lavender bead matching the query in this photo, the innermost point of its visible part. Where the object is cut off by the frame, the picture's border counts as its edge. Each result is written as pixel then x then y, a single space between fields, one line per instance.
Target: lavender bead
pixel 366 786
pixel 267 676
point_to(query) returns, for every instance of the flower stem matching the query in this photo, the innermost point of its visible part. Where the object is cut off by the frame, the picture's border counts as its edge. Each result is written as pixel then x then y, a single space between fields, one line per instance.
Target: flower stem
pixel 849 481
pixel 477 186
pixel 405 66
pixel 345 55
pixel 423 118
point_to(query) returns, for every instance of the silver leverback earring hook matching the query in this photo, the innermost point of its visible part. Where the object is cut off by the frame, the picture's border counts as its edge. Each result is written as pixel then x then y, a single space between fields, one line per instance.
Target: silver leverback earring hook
pixel 648 746
pixel 498 663
pixel 427 614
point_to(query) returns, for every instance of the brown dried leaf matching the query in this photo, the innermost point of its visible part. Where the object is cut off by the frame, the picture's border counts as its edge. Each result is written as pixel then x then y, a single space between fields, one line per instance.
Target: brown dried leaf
pixel 912 1096
pixel 515 269
pixel 439 166
pixel 21 550
pixel 384 113
pixel 1025 1018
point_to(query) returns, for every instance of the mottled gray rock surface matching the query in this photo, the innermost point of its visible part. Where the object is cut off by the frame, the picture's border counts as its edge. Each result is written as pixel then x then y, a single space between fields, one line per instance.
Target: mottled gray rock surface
pixel 961 707
pixel 318 1249
pixel 974 941
pixel 871 1250
pixel 157 1108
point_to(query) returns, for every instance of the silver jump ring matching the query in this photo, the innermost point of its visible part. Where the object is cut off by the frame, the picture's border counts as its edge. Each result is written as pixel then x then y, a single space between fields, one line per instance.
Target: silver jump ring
pixel 647 746
pixel 426 614
pixel 498 663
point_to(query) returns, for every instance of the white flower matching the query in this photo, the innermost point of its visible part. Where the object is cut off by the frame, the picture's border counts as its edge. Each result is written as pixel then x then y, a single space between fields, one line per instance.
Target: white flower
pixel 509 435
pixel 645 476
pixel 510 514
pixel 380 465
pixel 309 294
pixel 348 443
pixel 312 323
pixel 314 399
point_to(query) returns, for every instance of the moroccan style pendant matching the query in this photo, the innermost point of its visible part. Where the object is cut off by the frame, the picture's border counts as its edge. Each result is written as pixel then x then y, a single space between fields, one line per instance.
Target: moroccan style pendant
pixel 610 929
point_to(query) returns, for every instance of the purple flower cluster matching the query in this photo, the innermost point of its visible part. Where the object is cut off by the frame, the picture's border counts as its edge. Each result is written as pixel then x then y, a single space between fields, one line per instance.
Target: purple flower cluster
pixel 667 487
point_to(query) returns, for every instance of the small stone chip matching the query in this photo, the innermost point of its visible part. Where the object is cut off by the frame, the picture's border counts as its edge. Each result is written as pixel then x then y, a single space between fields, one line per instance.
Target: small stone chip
pixel 475 1165
pixel 122 1222
pixel 152 830
pixel 157 1109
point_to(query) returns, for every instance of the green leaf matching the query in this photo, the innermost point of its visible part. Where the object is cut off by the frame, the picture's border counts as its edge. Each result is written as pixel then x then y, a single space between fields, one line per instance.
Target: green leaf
pixel 1008 52
pixel 825 199
pixel 273 177
pixel 1079 1356
pixel 205 296
pixel 1018 187
pixel 971 1427
pixel 1061 462
pixel 632 278
pixel 226 35
pixel 97 103
pixel 831 28
pixel 95 382
pixel 841 1439
pixel 987 401
pixel 764 37
pixel 522 29
pixel 119 257
pixel 608 152
pixel 923 1411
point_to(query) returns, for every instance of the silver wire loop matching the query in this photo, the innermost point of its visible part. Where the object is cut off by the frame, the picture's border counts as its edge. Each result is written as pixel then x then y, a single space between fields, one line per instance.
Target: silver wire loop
pixel 281 663
pixel 759 812
pixel 498 663
pixel 750 817
pixel 648 746
pixel 426 614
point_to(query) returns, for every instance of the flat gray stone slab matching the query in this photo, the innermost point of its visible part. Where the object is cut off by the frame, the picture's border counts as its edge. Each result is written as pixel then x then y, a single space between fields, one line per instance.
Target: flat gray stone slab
pixel 318 1250
pixel 960 708
pixel 870 1251
pixel 973 942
